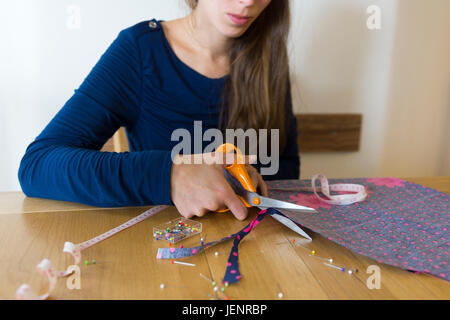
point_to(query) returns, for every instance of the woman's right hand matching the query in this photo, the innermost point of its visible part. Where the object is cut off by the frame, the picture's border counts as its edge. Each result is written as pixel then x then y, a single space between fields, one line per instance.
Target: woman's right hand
pixel 196 189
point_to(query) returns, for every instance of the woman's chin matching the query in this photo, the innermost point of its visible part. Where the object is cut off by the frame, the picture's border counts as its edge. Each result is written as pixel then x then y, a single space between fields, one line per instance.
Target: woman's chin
pixel 233 32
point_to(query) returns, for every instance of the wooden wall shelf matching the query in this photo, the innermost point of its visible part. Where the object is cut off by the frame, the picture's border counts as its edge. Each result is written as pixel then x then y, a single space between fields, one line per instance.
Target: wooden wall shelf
pixel 316 133
pixel 329 132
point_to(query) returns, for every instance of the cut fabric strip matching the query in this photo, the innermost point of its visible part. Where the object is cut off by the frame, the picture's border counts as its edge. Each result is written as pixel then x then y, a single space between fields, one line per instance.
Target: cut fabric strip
pixel 232 273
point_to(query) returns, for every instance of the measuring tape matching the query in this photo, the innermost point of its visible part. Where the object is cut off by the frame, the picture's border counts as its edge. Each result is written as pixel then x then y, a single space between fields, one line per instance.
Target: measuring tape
pixel 359 191
pixel 46 269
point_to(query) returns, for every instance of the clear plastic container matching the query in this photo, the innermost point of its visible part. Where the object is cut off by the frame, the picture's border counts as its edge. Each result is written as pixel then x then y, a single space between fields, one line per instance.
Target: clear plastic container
pixel 177 230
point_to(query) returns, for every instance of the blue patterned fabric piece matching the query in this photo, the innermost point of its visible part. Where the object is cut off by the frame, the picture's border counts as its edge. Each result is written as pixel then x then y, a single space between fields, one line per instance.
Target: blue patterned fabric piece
pixel 232 273
pixel 402 224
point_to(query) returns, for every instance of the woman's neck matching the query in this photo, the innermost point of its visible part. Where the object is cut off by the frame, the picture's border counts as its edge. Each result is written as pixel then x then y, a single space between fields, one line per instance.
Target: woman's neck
pixel 210 42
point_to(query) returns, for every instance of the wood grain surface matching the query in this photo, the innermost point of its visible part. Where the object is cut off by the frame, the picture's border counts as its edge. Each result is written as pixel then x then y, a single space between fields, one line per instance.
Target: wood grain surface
pixel 126 267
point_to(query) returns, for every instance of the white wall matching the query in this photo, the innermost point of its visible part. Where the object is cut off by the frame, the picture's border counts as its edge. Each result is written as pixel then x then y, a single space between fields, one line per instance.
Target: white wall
pixel 397 77
pixel 42 61
pixel 417 139
pixel 341 66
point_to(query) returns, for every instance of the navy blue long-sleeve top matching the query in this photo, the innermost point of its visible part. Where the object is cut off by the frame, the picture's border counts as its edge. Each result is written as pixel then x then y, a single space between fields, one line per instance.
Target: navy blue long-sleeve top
pixel 138 83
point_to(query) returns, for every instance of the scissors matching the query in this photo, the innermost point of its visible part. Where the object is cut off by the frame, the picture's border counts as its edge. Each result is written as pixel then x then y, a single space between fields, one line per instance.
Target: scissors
pixel 239 180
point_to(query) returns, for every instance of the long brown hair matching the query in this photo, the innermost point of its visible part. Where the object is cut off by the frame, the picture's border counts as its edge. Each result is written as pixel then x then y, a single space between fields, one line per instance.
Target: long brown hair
pixel 255 94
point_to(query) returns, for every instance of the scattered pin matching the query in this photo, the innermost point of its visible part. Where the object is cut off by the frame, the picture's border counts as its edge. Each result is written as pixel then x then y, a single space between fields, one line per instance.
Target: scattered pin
pixel 162 286
pixel 222 291
pixel 333 266
pixel 216 253
pixel 325 259
pixel 183 263
pixel 206 278
pixel 349 271
pixel 313 252
pixel 202 240
pixel 280 293
pixel 93 262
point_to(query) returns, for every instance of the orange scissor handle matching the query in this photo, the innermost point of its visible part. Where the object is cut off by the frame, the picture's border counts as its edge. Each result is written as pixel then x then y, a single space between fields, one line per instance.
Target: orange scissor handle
pixel 238 170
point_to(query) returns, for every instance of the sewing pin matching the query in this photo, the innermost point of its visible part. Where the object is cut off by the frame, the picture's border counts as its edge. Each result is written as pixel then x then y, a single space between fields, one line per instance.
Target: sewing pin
pixel 222 292
pixel 202 239
pixel 183 263
pixel 280 294
pixel 216 288
pixel 206 278
pixel 333 266
pixel 325 259
pixel 313 252
pixel 162 286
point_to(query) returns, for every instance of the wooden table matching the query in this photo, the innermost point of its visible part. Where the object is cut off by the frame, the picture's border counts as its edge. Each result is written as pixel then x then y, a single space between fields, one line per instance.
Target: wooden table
pixel 33 229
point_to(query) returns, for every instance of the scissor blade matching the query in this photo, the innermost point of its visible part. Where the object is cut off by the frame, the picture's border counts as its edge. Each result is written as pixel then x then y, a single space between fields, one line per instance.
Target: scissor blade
pixel 237 187
pixel 273 203
pixel 291 225
pixel 264 201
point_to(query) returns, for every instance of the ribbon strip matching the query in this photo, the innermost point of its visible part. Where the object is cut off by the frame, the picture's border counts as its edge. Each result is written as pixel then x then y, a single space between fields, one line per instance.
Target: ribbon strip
pixel 232 273
pixel 45 267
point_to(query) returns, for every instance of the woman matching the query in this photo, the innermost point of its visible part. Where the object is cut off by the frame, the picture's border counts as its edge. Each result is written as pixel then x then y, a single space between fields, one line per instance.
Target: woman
pixel 225 64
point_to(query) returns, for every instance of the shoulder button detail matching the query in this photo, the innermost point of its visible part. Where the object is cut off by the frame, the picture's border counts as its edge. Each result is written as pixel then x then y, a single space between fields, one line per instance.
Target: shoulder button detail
pixel 152 24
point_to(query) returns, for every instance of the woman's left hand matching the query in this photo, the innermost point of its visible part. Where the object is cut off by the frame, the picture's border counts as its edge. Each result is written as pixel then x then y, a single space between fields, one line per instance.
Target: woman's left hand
pixel 257 180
